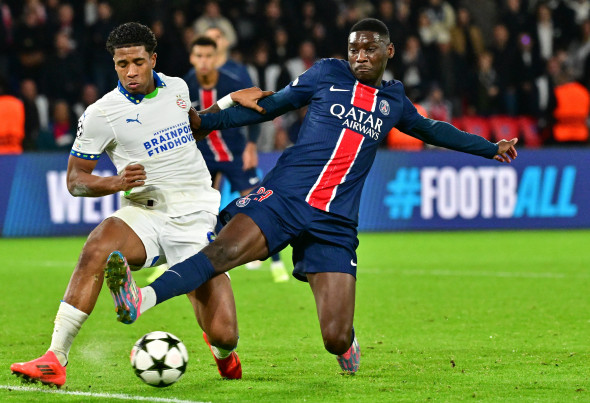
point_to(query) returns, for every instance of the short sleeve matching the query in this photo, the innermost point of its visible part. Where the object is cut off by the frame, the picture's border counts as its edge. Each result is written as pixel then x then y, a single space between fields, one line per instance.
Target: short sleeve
pixel 93 134
pixel 301 90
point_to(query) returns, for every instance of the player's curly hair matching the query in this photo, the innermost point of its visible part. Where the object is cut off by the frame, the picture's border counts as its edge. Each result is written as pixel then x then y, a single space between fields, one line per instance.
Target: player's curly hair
pixel 131 34
pixel 371 25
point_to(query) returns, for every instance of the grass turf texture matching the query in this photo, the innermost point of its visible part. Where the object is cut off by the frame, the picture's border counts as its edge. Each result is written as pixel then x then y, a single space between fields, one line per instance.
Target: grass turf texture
pixel 440 316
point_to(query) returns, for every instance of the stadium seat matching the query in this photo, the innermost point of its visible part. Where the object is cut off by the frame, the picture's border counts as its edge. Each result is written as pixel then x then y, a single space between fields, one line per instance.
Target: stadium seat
pixel 530 131
pixel 504 127
pixel 476 125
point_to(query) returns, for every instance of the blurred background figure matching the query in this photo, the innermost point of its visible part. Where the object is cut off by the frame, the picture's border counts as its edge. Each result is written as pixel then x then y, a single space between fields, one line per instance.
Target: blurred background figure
pixel 12 121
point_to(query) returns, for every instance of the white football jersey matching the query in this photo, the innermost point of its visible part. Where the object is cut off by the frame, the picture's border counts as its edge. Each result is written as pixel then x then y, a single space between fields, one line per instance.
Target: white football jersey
pixel 153 131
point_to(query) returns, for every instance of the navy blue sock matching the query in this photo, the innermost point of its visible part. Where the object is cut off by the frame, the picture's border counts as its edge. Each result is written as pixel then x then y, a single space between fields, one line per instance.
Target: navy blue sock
pixel 275 257
pixel 183 277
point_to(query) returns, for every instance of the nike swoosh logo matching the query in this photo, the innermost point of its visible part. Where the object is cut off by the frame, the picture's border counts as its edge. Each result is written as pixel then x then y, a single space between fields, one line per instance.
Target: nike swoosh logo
pixel 337 89
pixel 352 263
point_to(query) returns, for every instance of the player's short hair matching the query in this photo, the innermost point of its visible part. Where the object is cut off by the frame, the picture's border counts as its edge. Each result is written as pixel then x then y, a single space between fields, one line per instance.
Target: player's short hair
pixel 371 25
pixel 204 41
pixel 131 34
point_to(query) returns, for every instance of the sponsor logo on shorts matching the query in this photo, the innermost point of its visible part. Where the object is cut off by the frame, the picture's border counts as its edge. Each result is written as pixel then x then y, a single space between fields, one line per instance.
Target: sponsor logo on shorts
pixel 260 195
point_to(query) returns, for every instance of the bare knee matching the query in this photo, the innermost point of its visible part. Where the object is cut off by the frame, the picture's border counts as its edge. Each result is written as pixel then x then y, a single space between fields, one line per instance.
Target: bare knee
pixel 337 340
pixel 93 256
pixel 223 253
pixel 225 337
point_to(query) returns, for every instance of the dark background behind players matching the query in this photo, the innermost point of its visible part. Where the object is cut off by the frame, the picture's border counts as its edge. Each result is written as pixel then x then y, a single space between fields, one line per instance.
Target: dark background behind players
pixel 489 57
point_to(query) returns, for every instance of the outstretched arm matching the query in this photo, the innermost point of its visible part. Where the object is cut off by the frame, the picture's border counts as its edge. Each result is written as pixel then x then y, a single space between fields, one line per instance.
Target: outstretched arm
pixel 274 105
pixel 443 134
pixel 247 97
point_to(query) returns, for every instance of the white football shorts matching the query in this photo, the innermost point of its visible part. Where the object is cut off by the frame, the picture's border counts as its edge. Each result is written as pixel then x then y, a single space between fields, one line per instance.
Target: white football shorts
pixel 168 239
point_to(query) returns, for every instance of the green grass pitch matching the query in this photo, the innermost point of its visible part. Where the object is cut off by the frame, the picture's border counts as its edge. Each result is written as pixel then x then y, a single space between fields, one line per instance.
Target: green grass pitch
pixel 495 316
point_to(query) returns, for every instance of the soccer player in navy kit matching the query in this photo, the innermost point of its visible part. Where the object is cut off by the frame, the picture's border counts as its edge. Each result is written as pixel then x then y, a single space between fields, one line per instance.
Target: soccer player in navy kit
pixel 222 150
pixel 229 152
pixel 311 198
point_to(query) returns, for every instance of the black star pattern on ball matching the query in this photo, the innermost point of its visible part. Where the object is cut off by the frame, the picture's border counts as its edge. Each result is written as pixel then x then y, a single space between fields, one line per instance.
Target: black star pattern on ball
pixel 159 365
pixel 172 341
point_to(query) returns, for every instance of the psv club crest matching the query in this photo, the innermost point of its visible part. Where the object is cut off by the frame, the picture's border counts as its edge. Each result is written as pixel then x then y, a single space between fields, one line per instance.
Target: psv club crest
pixel 181 102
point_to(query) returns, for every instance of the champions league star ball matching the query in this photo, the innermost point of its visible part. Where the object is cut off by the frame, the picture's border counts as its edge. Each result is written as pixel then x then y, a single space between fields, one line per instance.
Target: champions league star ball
pixel 159 359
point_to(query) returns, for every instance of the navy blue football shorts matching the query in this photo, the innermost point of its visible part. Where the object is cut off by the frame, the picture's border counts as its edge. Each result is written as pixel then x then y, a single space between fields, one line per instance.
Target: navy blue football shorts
pixel 321 241
pixel 239 179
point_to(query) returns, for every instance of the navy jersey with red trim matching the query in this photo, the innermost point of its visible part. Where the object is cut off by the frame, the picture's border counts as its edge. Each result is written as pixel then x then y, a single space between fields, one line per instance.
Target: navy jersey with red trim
pixel 338 140
pixel 339 137
pixel 220 145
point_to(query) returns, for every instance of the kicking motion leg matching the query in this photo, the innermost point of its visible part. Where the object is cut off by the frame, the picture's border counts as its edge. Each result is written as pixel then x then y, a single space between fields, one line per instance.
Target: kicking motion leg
pixel 334 295
pixel 80 299
pixel 215 310
pixel 240 241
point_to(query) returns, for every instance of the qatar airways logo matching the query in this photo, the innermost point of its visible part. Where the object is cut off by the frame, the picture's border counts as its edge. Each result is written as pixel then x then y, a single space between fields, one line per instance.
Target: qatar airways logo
pixel 358 120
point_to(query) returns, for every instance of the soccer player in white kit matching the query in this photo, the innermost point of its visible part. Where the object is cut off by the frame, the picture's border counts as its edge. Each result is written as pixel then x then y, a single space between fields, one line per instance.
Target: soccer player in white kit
pixel 168 208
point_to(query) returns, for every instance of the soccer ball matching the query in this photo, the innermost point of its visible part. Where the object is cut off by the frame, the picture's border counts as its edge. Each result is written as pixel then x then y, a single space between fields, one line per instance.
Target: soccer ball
pixel 159 359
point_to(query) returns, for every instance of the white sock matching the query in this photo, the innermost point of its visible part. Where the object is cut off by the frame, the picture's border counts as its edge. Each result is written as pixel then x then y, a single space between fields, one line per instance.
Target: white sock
pixel 220 353
pixel 148 298
pixel 68 322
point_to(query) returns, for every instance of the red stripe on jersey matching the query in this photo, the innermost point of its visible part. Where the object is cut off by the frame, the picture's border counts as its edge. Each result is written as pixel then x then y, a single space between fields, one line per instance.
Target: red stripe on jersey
pixel 214 139
pixel 334 173
pixel 364 97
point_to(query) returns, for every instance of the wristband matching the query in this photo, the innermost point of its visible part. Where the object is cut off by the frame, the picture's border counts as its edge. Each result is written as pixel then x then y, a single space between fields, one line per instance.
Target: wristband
pixel 226 102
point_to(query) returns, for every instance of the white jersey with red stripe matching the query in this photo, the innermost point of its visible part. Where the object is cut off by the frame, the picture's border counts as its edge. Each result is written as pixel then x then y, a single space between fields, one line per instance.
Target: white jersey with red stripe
pixel 339 137
pixel 153 131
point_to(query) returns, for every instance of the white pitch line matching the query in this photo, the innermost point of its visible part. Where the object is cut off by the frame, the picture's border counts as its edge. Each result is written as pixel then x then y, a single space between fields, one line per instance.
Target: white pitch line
pixel 119 396
pixel 504 274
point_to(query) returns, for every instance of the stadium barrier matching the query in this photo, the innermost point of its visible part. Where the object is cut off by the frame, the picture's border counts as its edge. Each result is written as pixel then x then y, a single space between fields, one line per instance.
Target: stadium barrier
pixel 427 190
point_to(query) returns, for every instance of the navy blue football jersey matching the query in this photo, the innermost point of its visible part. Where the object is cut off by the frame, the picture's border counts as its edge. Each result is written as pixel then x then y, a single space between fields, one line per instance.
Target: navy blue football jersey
pixel 221 145
pixel 339 137
pixel 338 140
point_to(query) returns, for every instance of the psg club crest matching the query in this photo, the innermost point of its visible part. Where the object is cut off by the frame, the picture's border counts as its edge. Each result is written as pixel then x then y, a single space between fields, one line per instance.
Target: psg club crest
pixel 243 201
pixel 181 102
pixel 384 107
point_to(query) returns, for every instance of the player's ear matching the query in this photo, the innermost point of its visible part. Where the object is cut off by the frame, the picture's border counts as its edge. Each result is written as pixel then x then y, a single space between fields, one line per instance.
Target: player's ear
pixel 153 59
pixel 390 50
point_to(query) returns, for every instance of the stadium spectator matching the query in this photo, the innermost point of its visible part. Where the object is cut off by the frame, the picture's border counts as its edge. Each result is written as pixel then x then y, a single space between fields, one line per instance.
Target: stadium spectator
pixel 485 94
pixel 311 198
pixel 88 96
pixel 305 59
pixel 545 32
pixel 62 74
pixel 436 106
pixel 527 67
pixel 28 95
pixel 100 65
pixel 412 69
pixel 515 17
pixel 466 38
pixel 572 111
pixel 61 125
pixel 12 121
pixel 212 17
pixel 504 54
pixel 31 45
pixel 6 37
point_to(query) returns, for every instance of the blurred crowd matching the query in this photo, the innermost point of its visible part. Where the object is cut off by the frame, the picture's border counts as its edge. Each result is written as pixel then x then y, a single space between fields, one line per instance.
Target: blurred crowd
pixel 457 58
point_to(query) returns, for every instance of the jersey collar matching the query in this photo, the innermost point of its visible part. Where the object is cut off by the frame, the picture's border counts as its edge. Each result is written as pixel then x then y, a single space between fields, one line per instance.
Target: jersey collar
pixel 137 98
